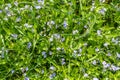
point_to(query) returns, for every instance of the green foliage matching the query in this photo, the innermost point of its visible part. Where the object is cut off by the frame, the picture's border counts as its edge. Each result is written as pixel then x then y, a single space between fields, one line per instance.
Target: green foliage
pixel 59 40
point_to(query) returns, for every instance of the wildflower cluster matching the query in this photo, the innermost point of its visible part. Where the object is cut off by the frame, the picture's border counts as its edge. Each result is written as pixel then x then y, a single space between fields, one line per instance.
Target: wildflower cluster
pixel 59 40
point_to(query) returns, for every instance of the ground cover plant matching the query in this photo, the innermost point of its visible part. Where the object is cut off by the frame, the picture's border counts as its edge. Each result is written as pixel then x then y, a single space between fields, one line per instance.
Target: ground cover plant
pixel 59 39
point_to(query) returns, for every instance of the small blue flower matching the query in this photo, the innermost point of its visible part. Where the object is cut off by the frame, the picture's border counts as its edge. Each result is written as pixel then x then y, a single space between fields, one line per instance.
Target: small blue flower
pixel 63 61
pixel 85 75
pixel 26 78
pixel 18 19
pixel 102 1
pixel 65 24
pixel 80 50
pixel 52 75
pixel 0 11
pixel 12 71
pixel 105 65
pixel 114 68
pixel 95 79
pixel 29 45
pixel 75 31
pixel 58 48
pixel 44 54
pixel 27 69
pixel 96 49
pixel 116 41
pixel 102 11
pixel 109 54
pixel 14 36
pixel 98 32
pixel 56 36
pixel 27 25
pixel 62 39
pixel 52 68
pixel 16 3
pixel 50 52
pixel 94 62
pixel 42 71
pixel 38 7
pixel 78 54
pixel 105 44
pixel 86 26
pixel 51 39
pixel 41 1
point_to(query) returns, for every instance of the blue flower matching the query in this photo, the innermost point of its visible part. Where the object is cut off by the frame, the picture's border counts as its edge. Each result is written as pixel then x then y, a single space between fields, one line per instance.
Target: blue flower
pixel 41 1
pixel 102 1
pixel 12 71
pixel 37 7
pixel 14 36
pixel 98 32
pixel 85 75
pixel 44 54
pixel 29 45
pixel 52 68
pixel 102 11
pixel 65 24
pixel 26 78
pixel 52 75
pixel 0 11
pixel 95 79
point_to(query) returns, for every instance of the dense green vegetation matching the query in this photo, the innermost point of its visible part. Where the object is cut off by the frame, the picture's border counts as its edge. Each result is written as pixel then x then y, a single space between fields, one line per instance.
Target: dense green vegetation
pixel 59 39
